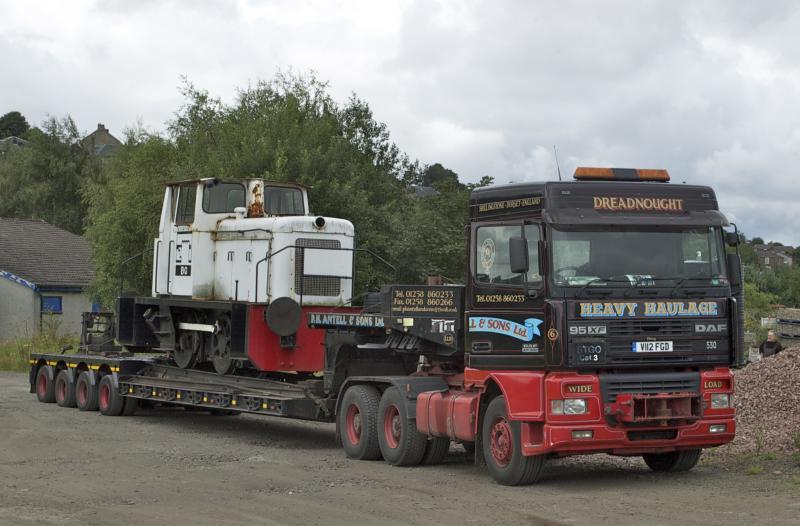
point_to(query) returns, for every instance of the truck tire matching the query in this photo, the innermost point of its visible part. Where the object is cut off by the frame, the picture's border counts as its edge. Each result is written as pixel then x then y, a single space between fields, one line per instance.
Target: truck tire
pixel 357 422
pixel 86 392
pixel 673 461
pixel 130 406
pixel 110 402
pixel 401 444
pixel 45 388
pixel 502 448
pixel 436 451
pixel 65 389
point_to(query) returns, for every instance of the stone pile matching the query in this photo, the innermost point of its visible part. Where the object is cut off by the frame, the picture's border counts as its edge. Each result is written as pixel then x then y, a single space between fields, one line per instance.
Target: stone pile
pixel 767 399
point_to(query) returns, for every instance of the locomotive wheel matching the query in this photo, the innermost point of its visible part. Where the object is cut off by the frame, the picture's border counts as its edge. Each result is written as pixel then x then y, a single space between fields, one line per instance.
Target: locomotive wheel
pixel 190 345
pixel 221 346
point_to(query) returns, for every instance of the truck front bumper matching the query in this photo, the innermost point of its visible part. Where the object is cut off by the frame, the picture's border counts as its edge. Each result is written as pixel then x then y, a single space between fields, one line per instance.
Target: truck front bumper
pixel 569 439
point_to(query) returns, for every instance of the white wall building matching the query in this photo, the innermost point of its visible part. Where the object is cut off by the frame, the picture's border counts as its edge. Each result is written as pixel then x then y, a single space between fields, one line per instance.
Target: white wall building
pixel 44 272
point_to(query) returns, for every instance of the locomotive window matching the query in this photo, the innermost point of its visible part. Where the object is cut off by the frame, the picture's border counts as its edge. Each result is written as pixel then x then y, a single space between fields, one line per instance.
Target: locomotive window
pixel 280 201
pixel 492 258
pixel 186 198
pixel 223 198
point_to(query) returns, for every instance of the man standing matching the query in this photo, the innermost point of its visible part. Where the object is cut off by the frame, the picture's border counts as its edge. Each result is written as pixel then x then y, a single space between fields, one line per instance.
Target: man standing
pixel 771 346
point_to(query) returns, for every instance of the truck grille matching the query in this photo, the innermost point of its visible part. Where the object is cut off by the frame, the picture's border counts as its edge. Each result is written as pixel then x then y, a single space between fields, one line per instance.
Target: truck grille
pixel 659 327
pixel 612 385
pixel 314 286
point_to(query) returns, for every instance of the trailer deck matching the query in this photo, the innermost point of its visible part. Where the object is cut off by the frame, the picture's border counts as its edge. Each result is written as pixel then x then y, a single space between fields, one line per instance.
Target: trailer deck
pixel 154 380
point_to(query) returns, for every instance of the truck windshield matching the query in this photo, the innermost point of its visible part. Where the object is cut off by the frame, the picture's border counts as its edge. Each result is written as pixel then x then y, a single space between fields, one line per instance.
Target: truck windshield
pixel 638 257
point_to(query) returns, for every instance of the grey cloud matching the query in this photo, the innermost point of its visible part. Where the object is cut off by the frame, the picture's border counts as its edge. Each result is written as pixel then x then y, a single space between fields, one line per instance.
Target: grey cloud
pixel 708 90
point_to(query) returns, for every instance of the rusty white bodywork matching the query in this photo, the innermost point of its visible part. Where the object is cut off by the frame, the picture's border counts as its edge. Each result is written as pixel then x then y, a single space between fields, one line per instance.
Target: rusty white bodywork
pixel 247 255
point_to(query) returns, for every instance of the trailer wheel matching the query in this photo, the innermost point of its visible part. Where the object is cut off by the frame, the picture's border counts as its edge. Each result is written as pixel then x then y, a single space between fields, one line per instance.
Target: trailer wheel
pixel 86 392
pixel 357 422
pixel 130 406
pixel 65 390
pixel 502 448
pixel 110 402
pixel 436 451
pixel 401 443
pixel 45 388
pixel 673 461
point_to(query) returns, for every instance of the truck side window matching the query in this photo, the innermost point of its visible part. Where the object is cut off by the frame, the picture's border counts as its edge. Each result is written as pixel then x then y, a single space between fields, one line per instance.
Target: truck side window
pixel 185 213
pixel 533 235
pixel 492 263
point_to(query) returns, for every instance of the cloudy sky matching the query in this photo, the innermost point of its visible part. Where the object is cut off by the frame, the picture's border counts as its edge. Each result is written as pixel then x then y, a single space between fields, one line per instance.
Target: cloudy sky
pixel 708 90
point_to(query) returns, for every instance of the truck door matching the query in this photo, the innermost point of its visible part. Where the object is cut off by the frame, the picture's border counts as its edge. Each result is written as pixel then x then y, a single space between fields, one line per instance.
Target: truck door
pixel 181 242
pixel 505 308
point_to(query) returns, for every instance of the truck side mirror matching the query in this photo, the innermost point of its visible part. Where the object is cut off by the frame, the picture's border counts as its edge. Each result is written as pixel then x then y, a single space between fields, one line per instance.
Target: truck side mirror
pixel 731 239
pixel 518 254
pixel 734 270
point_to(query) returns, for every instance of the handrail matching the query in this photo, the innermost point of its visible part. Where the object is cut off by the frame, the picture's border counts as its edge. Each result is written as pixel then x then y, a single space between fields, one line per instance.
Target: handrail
pixel 124 263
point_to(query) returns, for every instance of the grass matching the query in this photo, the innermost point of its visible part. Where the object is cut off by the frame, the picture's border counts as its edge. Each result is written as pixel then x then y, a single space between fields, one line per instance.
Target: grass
pixel 14 355
pixel 755 470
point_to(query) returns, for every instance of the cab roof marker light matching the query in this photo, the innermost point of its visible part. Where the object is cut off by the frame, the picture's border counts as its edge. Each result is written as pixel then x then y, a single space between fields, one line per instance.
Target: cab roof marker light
pixel 584 173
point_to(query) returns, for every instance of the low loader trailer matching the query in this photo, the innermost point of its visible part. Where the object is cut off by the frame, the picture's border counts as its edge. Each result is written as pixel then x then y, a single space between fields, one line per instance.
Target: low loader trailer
pixel 601 315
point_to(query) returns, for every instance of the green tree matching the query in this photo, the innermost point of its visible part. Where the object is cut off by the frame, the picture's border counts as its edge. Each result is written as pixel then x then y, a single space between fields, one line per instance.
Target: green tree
pixel 44 180
pixel 123 213
pixel 287 129
pixel 758 305
pixel 13 124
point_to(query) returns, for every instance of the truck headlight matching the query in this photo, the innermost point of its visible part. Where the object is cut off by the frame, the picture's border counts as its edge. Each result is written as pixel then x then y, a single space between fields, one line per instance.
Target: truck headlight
pixel 575 406
pixel 720 401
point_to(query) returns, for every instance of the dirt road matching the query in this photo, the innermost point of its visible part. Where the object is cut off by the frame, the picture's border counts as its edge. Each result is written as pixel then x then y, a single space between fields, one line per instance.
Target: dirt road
pixel 169 466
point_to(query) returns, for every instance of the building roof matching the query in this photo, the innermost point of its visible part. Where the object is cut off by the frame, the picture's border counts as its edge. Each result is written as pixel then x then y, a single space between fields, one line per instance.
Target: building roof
pixel 44 254
pixel 101 142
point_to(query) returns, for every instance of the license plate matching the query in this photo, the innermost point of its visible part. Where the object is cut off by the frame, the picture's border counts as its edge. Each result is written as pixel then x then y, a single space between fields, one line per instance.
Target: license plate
pixel 652 346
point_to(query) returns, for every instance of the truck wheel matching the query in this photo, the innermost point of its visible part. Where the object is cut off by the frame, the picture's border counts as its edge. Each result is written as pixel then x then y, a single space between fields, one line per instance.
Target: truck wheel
pixel 45 390
pixel 110 402
pixel 86 392
pixel 357 422
pixel 502 448
pixel 65 390
pixel 401 443
pixel 436 451
pixel 673 461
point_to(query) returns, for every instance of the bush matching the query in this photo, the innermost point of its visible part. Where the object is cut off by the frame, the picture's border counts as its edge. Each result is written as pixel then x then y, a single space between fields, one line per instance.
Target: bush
pixel 15 355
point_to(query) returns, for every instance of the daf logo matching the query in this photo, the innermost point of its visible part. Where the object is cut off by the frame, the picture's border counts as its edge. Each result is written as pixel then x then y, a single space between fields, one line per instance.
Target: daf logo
pixel 710 327
pixel 587 330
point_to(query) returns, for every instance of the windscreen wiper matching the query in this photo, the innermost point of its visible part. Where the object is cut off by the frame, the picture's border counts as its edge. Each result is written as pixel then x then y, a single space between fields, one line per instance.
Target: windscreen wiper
pixel 609 279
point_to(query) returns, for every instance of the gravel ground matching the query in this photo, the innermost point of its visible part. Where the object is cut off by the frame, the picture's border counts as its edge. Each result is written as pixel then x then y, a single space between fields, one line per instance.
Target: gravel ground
pixel 169 466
